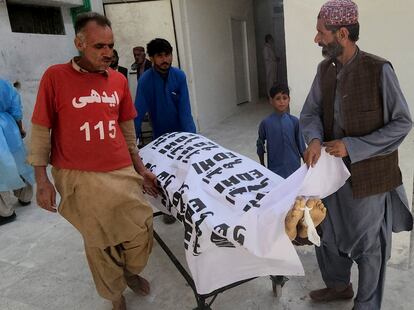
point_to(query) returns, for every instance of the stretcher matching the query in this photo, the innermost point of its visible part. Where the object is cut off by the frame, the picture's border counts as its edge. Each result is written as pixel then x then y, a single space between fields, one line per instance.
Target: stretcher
pixel 233 211
pixel 204 301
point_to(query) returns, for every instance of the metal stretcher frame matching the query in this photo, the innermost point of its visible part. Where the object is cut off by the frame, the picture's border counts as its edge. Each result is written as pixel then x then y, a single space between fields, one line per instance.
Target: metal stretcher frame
pixel 202 303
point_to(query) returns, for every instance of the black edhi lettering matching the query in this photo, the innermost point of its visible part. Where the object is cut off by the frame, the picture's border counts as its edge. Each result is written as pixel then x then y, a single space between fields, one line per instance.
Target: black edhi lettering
pixel 255 188
pixel 221 240
pixel 199 233
pixel 237 235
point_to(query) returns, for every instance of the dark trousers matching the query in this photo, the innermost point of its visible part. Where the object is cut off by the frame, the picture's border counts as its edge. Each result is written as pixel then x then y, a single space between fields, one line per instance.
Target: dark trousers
pixel 336 272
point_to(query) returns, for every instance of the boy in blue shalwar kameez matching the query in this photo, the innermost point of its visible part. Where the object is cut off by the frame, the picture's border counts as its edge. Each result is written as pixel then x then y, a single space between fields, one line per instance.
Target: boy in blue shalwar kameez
pixel 281 134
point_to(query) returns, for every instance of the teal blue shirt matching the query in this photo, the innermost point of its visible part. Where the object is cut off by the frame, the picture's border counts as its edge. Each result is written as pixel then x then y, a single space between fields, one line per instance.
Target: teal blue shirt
pixel 166 100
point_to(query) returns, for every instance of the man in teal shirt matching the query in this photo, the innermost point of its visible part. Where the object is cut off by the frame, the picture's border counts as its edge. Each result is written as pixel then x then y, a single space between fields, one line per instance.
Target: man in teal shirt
pixel 162 92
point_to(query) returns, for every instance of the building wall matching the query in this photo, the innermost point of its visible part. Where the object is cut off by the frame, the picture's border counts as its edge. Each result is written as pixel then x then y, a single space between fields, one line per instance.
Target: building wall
pixel 137 23
pixel 206 55
pixel 384 29
pixel 25 56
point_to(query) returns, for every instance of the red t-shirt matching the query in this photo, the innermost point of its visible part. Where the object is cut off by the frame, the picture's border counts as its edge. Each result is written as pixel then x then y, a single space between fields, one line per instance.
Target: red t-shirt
pixel 84 111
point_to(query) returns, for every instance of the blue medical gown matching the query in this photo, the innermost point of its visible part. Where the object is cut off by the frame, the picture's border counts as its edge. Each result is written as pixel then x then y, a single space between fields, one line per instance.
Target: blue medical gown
pixel 13 164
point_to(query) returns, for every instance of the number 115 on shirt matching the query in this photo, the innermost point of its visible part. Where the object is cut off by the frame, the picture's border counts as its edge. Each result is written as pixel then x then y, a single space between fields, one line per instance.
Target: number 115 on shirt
pixel 100 127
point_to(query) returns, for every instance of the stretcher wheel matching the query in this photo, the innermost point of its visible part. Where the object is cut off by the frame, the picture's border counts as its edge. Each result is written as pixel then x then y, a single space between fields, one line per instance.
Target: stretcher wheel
pixel 276 288
pixel 277 284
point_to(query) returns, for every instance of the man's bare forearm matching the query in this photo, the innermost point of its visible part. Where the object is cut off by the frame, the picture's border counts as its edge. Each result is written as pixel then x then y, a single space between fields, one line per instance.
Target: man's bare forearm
pixel 128 130
pixel 41 174
pixel 138 164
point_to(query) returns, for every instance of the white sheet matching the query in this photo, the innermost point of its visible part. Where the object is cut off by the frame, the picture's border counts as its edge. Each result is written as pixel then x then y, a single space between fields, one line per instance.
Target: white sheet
pixel 232 208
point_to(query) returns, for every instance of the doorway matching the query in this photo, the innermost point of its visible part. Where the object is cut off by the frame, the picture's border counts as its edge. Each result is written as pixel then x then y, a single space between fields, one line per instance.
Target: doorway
pixel 241 60
pixel 269 19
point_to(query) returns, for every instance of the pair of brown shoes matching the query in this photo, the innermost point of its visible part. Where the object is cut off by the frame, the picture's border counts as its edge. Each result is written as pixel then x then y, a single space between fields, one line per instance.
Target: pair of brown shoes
pixel 331 294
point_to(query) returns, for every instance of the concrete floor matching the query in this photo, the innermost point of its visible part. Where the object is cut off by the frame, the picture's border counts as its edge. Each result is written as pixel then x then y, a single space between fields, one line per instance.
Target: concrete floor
pixel 42 264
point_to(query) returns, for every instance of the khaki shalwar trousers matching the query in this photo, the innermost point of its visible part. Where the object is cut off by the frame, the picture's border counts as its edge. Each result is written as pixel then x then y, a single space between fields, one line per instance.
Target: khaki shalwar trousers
pixel 115 221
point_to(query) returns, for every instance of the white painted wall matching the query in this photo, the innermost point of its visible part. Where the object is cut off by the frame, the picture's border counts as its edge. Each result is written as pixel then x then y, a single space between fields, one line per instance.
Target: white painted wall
pixel 97 6
pixel 136 24
pixel 385 30
pixel 205 47
pixel 24 57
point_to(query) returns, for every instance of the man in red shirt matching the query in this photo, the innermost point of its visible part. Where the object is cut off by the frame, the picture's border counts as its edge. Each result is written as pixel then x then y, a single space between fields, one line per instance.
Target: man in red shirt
pixel 83 126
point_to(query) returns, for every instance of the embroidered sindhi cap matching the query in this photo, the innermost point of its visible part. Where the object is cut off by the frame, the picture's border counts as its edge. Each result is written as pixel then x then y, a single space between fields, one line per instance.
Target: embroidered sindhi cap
pixel 339 13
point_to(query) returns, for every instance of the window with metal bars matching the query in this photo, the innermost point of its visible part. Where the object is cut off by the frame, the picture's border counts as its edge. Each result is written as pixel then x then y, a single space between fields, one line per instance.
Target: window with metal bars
pixel 27 18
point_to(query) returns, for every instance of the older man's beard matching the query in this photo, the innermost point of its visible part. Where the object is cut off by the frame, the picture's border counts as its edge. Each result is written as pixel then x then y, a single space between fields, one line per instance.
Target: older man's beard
pixel 332 50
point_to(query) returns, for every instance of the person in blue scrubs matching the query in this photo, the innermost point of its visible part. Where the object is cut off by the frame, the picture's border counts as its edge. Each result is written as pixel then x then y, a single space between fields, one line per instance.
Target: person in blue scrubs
pixel 280 136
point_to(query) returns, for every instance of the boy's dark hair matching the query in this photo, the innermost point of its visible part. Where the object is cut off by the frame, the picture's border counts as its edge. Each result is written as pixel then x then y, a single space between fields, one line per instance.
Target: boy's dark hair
pixel 279 88
pixel 84 18
pixel 158 46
